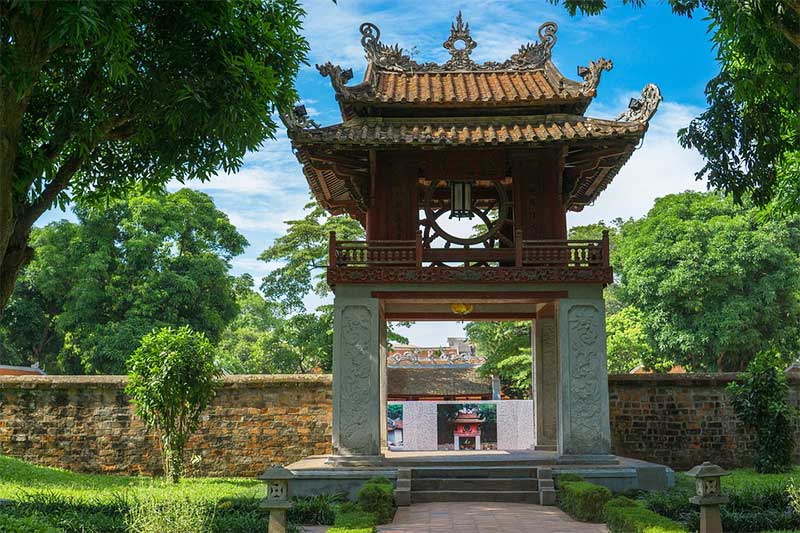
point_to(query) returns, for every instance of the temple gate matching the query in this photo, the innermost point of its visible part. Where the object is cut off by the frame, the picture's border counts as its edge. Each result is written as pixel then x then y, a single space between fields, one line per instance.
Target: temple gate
pixel 507 145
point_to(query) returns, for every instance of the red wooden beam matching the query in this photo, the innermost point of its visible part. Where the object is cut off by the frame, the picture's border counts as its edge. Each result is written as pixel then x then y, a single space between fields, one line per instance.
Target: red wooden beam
pixel 472 296
pixel 472 317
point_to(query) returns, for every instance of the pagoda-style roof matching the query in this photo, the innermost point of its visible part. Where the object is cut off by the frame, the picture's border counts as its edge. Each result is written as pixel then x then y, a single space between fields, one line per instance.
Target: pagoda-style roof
pixel 521 102
pixel 527 80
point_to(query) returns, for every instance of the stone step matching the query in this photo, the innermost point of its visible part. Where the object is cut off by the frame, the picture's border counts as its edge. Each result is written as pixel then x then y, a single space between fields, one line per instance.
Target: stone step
pixel 474 472
pixel 425 496
pixel 487 484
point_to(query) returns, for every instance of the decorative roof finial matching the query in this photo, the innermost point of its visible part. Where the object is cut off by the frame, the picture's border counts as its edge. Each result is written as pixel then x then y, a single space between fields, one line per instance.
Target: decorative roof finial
pixel 642 110
pixel 459 32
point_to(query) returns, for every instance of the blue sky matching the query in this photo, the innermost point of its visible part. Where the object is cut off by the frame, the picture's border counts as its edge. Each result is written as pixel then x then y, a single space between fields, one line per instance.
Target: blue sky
pixel 646 45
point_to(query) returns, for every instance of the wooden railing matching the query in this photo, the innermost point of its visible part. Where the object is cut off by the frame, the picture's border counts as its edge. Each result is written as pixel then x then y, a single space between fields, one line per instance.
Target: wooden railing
pixel 526 253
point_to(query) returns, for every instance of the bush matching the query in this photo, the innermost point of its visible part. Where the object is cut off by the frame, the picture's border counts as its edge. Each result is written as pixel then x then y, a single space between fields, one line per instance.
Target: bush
pixel 351 530
pixel 149 515
pixel 377 496
pixel 583 500
pixel 565 478
pixel 315 510
pixel 755 504
pixel 623 515
pixel 173 378
pixel 760 399
pixel 355 519
pixel 26 524
pixel 794 496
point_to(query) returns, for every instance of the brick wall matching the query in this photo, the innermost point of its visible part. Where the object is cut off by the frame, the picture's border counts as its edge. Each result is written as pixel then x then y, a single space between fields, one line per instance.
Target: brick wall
pixel 86 423
pixel 681 419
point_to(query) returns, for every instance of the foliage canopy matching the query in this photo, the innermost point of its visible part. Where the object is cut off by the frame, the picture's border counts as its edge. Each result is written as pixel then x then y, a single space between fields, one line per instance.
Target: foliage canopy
pixel 750 133
pixel 99 97
pixel 97 286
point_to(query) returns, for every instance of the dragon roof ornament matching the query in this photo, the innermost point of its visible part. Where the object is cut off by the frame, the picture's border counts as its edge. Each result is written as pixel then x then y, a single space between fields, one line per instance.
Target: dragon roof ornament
pixel 642 109
pixel 392 58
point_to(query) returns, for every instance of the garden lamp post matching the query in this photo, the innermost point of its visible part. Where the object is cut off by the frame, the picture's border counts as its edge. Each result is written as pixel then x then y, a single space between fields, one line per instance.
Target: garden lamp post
pixel 708 495
pixel 277 500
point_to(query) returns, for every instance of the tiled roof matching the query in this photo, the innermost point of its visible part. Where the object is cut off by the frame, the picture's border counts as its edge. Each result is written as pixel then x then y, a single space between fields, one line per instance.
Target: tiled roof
pixel 437 381
pixel 473 88
pixel 467 131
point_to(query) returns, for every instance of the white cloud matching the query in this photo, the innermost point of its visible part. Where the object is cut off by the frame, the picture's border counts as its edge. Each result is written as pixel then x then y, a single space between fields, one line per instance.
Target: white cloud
pixel 660 167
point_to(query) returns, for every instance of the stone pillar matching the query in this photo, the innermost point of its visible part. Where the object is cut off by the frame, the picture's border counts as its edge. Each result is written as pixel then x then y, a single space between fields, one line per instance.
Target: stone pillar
pixel 545 382
pixel 356 376
pixel 584 432
pixel 384 385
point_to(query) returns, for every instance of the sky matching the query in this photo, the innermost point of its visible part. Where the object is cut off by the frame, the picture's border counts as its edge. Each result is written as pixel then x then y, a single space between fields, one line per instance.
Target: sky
pixel 646 45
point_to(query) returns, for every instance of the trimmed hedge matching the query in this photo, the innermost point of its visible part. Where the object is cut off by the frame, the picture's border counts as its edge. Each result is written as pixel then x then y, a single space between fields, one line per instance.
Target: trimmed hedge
pixel 582 500
pixel 351 530
pixel 377 496
pixel 623 515
pixel 355 519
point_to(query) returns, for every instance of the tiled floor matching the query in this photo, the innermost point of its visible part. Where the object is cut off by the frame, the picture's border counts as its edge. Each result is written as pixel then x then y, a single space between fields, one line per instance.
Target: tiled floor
pixel 465 517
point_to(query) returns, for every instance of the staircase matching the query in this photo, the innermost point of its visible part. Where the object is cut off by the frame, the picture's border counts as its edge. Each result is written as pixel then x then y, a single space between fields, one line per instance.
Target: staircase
pixel 520 484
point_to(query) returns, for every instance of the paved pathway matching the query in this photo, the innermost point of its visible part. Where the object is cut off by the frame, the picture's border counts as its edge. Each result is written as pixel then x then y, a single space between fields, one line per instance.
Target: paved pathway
pixel 462 517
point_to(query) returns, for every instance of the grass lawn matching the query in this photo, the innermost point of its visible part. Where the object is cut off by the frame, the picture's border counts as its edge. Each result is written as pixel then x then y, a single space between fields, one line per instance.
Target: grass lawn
pixel 64 502
pixel 18 477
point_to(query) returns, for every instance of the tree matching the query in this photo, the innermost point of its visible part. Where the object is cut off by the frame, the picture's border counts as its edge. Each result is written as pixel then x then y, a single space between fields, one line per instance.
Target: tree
pixel 749 133
pixel 760 397
pixel 98 97
pixel 715 282
pixel 172 380
pixel 303 252
pixel 96 287
pixel 504 345
pixel 262 340
pixel 628 345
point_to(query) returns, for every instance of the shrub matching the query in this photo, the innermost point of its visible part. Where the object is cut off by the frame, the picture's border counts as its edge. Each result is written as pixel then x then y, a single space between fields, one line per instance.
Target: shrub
pixel 623 515
pixel 794 496
pixel 173 378
pixel 26 524
pixel 351 530
pixel 760 399
pixel 583 500
pixel 565 478
pixel 315 510
pixel 149 515
pixel 355 519
pixel 377 496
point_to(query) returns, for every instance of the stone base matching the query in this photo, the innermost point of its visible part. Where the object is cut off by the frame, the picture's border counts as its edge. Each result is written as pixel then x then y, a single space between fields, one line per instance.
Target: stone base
pixel 356 461
pixel 329 475
pixel 588 460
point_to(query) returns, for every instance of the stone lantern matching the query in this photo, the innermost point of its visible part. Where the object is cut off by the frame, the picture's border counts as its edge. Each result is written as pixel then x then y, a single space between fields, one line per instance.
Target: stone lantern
pixel 277 500
pixel 708 495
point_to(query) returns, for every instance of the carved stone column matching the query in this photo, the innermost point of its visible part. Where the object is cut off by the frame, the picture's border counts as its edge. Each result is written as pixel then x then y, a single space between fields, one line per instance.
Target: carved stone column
pixel 545 382
pixel 584 433
pixel 356 377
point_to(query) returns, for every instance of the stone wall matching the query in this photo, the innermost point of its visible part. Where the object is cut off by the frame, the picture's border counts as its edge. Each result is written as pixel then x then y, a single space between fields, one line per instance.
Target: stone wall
pixel 86 423
pixel 682 419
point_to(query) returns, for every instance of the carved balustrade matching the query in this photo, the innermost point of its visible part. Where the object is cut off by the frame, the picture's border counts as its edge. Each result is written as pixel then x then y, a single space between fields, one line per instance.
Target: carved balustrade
pixel 584 261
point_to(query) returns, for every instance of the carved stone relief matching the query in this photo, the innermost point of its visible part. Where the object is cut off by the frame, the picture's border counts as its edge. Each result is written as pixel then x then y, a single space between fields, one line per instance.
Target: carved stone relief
pixel 584 377
pixel 355 432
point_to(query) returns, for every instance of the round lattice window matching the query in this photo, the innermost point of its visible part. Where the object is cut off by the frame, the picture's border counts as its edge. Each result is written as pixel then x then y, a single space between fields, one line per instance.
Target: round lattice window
pixel 494 212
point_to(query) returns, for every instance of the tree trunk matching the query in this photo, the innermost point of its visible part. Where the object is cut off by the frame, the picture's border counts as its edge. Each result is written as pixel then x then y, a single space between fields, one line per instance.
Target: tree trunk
pixel 173 460
pixel 16 255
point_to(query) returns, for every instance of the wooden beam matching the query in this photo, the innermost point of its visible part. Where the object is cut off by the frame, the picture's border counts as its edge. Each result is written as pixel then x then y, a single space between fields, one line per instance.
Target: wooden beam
pixel 471 296
pixel 450 317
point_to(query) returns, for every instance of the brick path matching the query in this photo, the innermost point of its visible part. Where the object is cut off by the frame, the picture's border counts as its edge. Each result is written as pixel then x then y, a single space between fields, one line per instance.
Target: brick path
pixel 462 517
